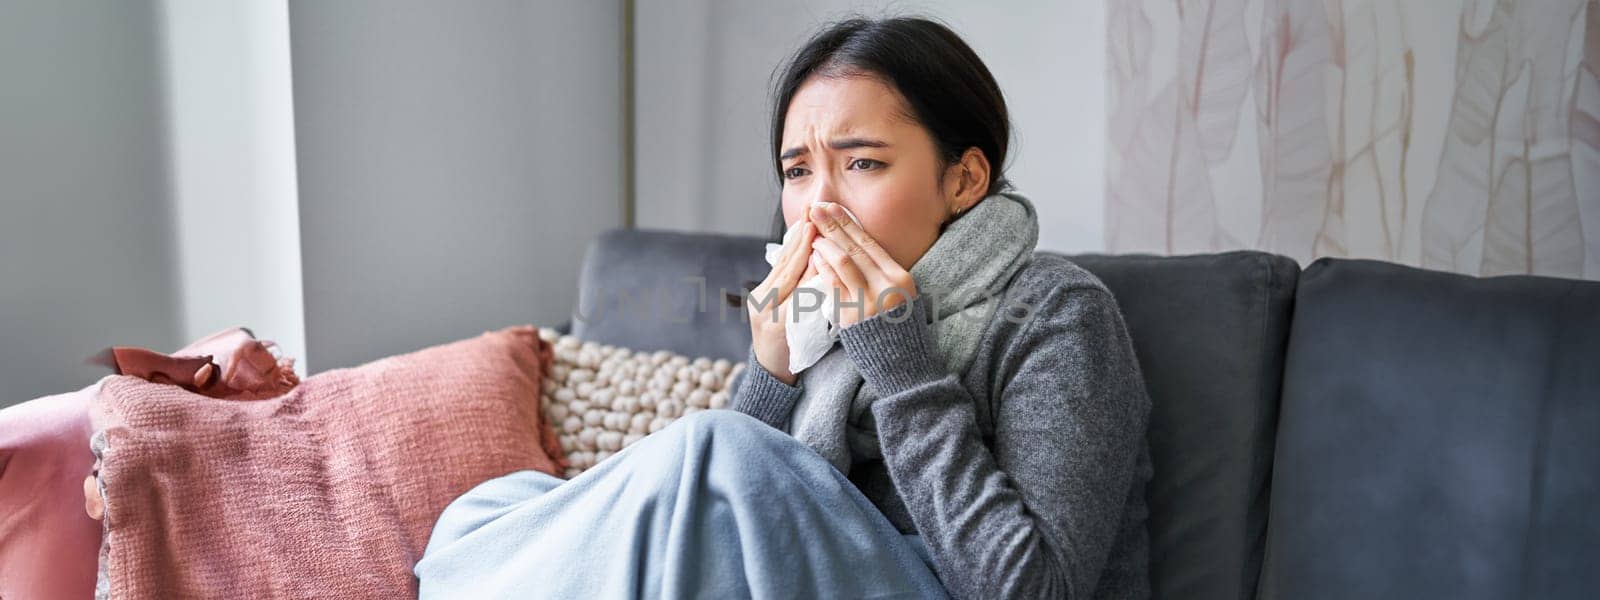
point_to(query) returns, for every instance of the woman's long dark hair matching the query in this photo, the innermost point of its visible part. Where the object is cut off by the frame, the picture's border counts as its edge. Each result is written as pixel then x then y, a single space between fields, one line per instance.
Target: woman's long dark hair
pixel 948 88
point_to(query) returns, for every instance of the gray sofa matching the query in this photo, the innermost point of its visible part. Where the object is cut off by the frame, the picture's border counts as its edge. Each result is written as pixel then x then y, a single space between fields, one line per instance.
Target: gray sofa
pixel 1354 430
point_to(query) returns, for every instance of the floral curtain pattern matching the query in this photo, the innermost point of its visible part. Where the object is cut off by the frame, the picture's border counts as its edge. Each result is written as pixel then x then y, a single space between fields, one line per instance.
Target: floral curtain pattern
pixel 1461 135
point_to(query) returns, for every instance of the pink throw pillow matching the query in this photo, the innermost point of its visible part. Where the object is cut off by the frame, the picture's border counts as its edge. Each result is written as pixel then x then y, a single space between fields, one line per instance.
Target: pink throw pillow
pixel 328 490
pixel 49 546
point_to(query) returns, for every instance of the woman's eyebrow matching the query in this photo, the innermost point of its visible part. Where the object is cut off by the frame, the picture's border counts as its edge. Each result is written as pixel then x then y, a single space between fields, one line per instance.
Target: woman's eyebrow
pixel 839 144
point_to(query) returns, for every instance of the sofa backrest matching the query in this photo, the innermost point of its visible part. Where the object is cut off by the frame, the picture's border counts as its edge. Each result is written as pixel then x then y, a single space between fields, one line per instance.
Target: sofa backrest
pixel 1439 437
pixel 678 280
pixel 1210 333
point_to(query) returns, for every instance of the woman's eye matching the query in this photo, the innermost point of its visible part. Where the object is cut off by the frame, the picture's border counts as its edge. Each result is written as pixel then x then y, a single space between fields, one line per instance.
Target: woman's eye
pixel 793 172
pixel 865 164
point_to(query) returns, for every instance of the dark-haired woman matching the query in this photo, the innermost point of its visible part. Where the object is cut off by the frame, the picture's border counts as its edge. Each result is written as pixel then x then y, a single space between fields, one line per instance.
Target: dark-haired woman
pixel 977 431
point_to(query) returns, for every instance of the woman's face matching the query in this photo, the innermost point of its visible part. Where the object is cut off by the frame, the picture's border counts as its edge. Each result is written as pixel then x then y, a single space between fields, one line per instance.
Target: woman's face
pixel 850 140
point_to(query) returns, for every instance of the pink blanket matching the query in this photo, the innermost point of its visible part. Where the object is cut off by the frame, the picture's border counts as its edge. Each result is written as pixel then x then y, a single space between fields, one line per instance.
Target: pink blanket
pixel 329 490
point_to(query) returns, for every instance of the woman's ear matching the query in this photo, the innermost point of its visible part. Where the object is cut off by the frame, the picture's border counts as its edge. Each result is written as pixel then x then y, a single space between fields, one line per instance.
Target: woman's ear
pixel 967 180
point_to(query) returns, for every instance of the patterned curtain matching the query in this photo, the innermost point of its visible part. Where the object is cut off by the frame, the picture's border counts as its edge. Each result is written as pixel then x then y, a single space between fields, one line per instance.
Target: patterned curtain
pixel 1461 135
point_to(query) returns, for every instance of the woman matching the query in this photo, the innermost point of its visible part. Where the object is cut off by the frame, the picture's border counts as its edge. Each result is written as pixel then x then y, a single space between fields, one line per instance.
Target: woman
pixel 978 430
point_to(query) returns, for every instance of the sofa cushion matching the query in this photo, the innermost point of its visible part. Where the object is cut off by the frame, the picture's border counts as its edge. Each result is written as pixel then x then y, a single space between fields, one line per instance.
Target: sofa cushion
pixel 48 544
pixel 1210 332
pixel 660 290
pixel 1437 437
pixel 603 398
pixel 330 490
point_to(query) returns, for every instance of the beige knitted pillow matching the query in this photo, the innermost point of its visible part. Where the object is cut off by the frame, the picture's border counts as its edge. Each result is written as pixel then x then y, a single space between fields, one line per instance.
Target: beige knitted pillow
pixel 602 398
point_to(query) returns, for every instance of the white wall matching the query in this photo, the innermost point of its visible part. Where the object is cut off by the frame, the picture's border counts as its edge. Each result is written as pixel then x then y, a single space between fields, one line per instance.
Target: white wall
pixel 358 179
pixel 454 159
pixel 85 227
pixel 704 67
pixel 230 116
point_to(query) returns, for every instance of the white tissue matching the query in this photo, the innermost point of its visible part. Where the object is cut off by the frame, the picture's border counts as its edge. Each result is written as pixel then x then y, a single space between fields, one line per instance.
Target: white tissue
pixel 814 333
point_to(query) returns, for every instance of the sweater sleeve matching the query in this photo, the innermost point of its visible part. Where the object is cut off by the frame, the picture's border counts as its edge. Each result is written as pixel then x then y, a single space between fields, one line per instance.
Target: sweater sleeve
pixel 762 396
pixel 1036 517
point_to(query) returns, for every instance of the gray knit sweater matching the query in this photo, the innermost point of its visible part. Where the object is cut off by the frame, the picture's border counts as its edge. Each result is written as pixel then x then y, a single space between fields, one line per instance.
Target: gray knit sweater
pixel 1025 475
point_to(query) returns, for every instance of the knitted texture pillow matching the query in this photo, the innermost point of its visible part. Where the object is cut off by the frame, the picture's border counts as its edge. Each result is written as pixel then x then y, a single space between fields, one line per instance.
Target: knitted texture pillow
pixel 602 398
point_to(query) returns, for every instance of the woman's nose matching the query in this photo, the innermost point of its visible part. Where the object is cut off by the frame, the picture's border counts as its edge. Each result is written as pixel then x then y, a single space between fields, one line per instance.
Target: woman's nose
pixel 825 190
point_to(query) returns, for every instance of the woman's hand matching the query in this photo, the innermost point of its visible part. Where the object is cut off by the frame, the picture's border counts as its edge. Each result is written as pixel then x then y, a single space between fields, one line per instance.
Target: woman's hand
pixel 854 264
pixel 768 304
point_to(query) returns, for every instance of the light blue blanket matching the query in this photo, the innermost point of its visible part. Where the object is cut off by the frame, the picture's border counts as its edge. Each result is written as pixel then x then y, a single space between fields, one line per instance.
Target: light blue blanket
pixel 717 505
